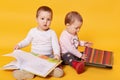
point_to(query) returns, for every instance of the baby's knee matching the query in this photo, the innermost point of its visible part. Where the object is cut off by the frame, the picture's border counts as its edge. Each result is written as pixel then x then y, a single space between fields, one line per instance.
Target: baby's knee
pixel 57 72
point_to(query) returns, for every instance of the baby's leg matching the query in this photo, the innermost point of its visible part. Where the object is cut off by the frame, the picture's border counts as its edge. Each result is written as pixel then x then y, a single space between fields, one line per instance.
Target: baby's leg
pixel 57 72
pixel 73 61
pixel 22 75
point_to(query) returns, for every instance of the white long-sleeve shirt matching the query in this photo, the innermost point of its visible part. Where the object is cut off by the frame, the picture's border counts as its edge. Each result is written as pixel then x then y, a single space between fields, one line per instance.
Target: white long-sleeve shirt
pixel 70 43
pixel 43 42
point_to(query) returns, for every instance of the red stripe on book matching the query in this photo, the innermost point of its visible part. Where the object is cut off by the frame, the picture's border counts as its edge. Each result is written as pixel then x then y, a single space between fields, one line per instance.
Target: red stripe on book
pixel 88 53
pixel 99 56
pixel 92 54
pixel 107 57
pixel 95 56
pixel 104 58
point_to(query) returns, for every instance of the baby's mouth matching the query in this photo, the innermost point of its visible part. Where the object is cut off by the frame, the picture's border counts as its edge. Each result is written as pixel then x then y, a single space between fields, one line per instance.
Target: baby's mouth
pixel 45 25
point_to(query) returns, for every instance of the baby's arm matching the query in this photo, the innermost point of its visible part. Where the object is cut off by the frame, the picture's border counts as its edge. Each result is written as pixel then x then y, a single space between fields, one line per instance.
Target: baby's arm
pixel 85 43
pixel 68 46
pixel 88 44
pixel 57 57
pixel 55 46
pixel 16 47
pixel 24 42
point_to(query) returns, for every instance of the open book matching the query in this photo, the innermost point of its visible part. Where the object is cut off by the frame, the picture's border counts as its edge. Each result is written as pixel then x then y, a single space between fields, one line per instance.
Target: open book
pixel 37 64
pixel 99 58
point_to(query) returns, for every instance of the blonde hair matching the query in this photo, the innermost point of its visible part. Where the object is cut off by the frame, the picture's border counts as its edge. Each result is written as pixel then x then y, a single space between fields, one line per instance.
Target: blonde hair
pixel 72 16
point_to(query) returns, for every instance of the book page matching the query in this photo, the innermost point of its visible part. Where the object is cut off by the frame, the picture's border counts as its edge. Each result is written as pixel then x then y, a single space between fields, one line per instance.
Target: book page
pixel 12 65
pixel 34 64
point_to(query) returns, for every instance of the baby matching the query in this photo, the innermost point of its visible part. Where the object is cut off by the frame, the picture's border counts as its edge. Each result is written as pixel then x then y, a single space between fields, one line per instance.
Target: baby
pixel 43 39
pixel 69 42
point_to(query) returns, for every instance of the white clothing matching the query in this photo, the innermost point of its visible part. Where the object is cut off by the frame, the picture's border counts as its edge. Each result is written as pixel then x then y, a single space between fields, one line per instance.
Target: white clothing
pixel 43 42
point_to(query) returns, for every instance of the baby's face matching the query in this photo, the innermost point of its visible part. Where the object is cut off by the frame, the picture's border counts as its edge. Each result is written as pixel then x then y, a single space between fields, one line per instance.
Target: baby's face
pixel 74 27
pixel 44 20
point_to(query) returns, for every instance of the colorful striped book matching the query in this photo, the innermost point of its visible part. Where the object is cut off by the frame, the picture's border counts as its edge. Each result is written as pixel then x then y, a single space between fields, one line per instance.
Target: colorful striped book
pixel 100 58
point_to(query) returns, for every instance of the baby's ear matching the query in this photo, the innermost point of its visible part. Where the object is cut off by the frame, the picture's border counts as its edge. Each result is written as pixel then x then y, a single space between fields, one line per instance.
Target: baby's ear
pixel 67 24
pixel 36 19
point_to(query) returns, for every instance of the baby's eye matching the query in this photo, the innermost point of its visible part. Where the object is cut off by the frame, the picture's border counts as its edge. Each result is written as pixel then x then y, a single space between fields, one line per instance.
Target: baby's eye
pixel 49 19
pixel 42 18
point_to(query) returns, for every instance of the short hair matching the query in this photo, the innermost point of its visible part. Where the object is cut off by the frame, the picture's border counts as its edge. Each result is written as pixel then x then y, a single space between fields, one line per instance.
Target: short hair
pixel 44 8
pixel 72 16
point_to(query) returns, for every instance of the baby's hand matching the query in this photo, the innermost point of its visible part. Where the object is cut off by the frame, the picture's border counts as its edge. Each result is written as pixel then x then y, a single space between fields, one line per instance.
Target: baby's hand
pixel 88 44
pixel 84 57
pixel 16 47
pixel 57 57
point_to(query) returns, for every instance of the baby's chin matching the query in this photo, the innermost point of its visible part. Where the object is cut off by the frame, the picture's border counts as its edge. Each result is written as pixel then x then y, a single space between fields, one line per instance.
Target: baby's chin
pixel 74 33
pixel 46 28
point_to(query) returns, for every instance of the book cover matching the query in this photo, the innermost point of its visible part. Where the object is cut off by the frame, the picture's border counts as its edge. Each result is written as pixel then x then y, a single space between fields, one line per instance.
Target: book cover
pixel 37 64
pixel 99 58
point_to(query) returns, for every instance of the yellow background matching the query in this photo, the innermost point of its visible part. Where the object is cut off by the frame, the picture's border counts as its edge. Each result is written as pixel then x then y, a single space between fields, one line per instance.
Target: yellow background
pixel 101 26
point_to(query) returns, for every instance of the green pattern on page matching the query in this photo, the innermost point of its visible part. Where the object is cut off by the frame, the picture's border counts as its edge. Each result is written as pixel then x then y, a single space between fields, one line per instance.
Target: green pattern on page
pixel 45 57
pixel 34 54
pixel 52 60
